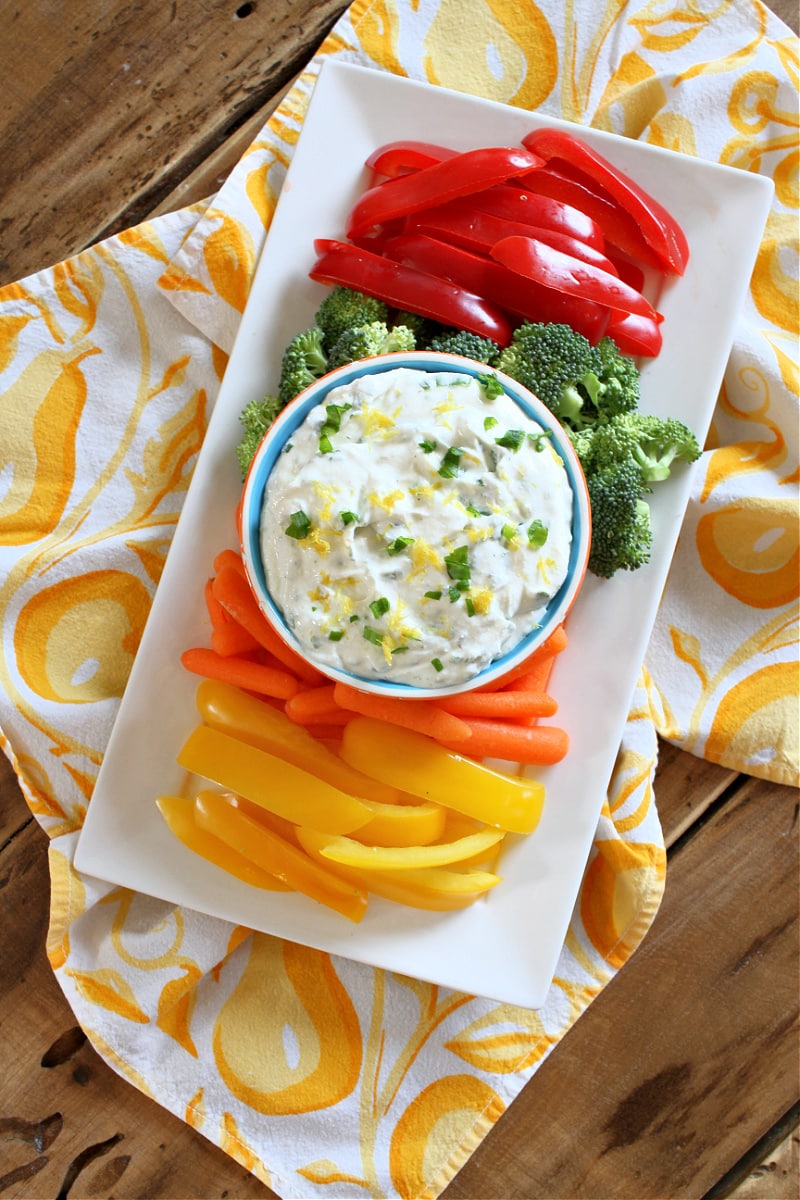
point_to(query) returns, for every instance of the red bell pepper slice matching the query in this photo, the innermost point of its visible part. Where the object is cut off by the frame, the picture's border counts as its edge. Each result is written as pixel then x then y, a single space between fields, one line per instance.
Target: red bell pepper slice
pixel 406 287
pixel 396 158
pixel 631 272
pixel 619 228
pixel 635 335
pixel 377 236
pixel 511 292
pixel 659 228
pixel 458 176
pixel 460 221
pixel 563 273
pixel 518 202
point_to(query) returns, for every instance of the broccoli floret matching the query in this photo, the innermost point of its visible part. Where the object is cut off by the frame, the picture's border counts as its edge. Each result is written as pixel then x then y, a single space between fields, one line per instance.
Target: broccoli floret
pixel 583 444
pixel 344 308
pixel 653 443
pixel 469 345
pixel 304 360
pixel 550 360
pixel 622 458
pixel 621 532
pixel 400 338
pixel 423 328
pixel 661 443
pixel 613 382
pixel 365 341
pixel 580 383
pixel 256 417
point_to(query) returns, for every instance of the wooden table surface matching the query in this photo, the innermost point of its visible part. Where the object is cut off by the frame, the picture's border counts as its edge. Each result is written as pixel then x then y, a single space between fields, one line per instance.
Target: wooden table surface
pixel 113 112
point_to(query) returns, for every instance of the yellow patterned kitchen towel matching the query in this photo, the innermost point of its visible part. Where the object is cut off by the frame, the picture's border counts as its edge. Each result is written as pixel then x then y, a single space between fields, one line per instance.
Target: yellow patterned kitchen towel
pixel 323 1077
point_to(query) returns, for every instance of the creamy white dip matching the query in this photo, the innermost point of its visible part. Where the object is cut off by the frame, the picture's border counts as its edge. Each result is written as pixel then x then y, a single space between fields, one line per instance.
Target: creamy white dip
pixel 415 527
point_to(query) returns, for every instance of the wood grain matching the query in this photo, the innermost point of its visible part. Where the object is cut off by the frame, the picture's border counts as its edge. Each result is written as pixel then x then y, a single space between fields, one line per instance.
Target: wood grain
pixel 106 107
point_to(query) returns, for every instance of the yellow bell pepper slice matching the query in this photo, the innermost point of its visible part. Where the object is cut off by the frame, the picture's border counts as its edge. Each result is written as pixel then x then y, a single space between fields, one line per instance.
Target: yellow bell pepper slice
pixel 350 853
pixel 178 812
pixel 229 709
pixel 402 824
pixel 219 816
pixel 432 888
pixel 275 784
pixel 419 765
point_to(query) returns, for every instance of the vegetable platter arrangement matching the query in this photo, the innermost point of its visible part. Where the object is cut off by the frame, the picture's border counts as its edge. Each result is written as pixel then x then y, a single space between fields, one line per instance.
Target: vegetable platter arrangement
pixel 327 818
pixel 604 335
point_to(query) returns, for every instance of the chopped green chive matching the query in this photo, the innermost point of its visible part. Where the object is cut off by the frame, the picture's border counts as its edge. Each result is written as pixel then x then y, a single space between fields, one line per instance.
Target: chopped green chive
pixel 379 607
pixel 491 386
pixel 299 525
pixel 398 545
pixel 477 512
pixel 332 424
pixel 509 532
pixel 354 617
pixel 348 517
pixel 427 446
pixel 489 423
pixel 449 466
pixel 537 534
pixel 372 635
pixel 437 595
pixel 454 593
pixel 457 563
pixel 333 414
pixel 539 439
pixel 512 439
pixel 335 635
pixel 436 663
pixel 399 650
pixel 470 607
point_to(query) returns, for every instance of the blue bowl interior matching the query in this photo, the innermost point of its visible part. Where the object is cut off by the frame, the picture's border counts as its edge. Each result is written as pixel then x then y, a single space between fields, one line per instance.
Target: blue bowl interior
pixel 293 416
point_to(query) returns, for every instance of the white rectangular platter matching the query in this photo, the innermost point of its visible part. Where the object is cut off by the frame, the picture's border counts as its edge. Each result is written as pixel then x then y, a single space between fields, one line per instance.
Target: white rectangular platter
pixel 507 945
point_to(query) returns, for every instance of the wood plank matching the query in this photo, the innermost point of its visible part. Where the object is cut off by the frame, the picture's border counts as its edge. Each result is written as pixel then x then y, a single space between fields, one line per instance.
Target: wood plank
pixel 209 175
pixel 14 812
pixel 690 1055
pixel 102 122
pixel 685 788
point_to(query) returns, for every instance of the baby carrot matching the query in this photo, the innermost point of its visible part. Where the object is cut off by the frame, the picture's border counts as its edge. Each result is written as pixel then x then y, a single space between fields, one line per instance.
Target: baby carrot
pixel 216 613
pixel 421 715
pixel 229 558
pixel 241 672
pixel 313 705
pixel 232 638
pixel 534 680
pixel 554 645
pixel 505 705
pixel 233 592
pixel 541 745
pixel 557 642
